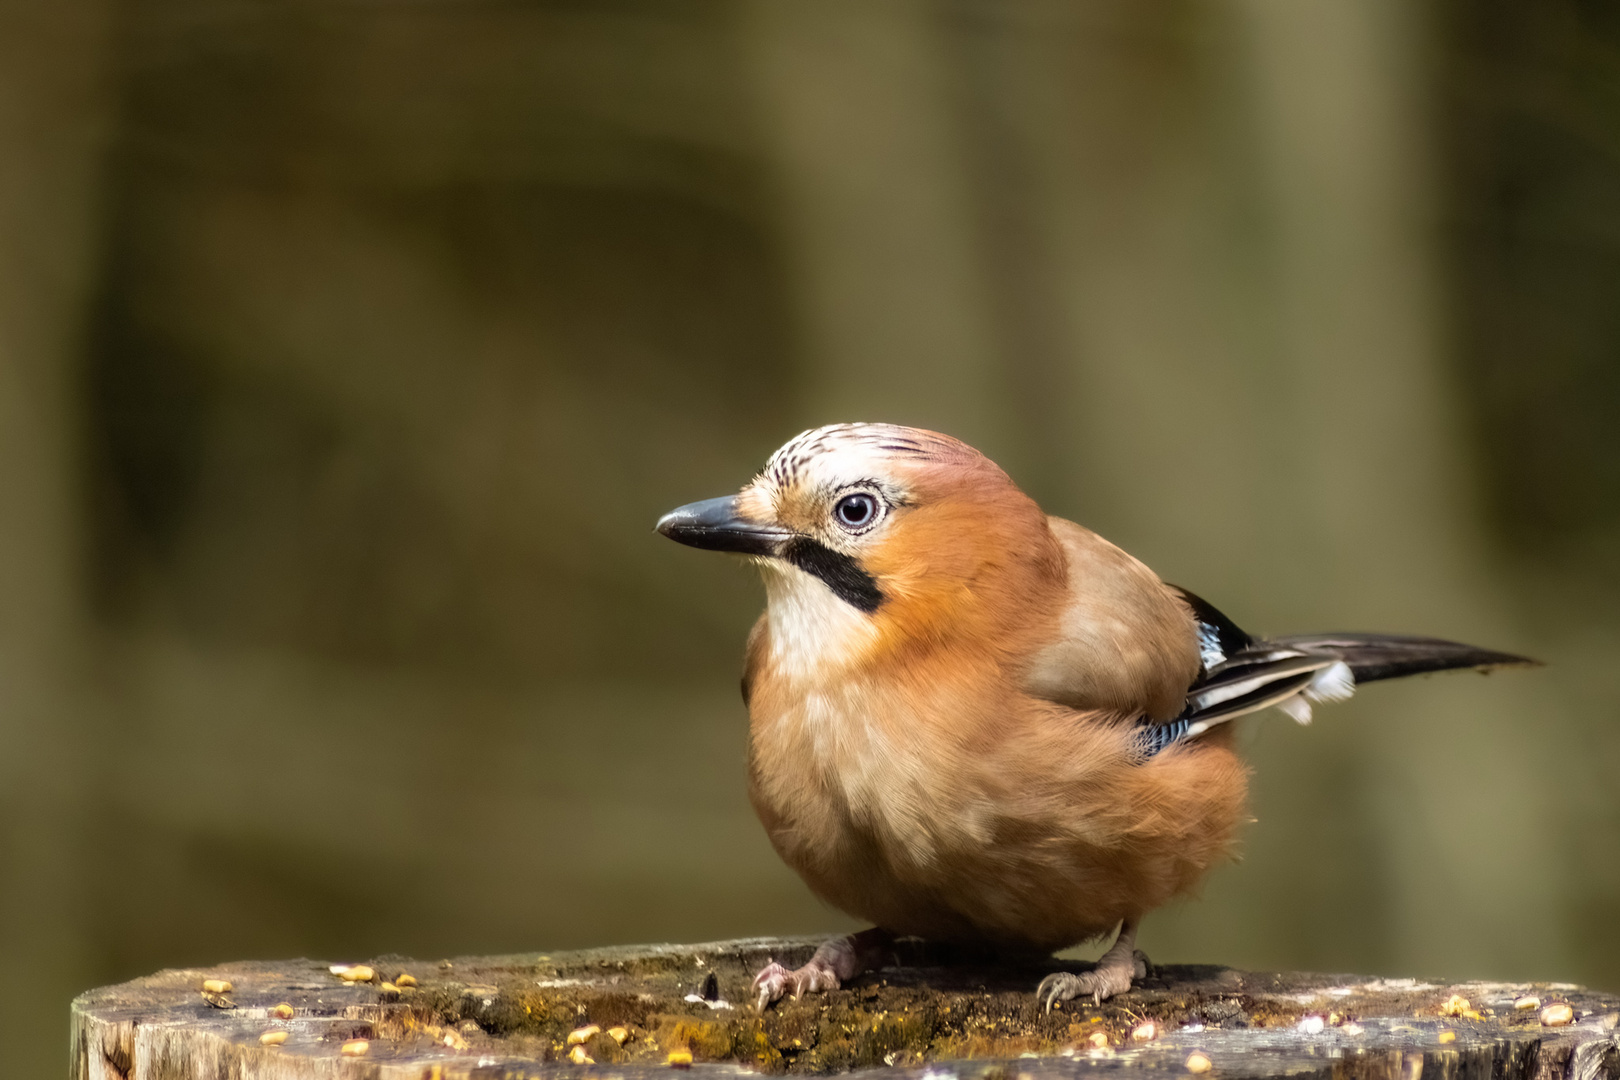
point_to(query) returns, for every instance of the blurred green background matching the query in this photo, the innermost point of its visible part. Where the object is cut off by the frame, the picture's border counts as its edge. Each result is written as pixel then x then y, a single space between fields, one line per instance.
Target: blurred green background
pixel 350 348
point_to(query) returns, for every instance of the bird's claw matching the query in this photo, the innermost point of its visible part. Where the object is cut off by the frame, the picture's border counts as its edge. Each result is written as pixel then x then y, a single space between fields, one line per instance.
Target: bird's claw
pixel 1102 982
pixel 1058 986
pixel 775 981
pixel 771 983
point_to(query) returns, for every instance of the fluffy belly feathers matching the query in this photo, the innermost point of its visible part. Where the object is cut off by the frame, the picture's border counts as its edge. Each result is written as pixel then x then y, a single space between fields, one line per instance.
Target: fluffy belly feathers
pixel 1021 824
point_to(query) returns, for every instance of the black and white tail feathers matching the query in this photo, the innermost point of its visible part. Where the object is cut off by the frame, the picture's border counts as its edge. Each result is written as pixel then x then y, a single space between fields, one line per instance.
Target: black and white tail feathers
pixel 1243 674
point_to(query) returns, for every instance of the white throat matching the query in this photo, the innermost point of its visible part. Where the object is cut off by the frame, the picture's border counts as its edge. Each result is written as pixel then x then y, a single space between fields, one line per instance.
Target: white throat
pixel 813 632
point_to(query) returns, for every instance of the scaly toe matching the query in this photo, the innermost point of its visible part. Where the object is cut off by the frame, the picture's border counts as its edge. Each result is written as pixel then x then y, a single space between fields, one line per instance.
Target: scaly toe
pixel 772 983
pixel 1101 983
pixel 1058 986
pixel 814 978
pixel 1105 982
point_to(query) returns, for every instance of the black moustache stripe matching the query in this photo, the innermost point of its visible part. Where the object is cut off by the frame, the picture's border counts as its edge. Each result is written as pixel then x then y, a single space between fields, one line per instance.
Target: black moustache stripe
pixel 842 574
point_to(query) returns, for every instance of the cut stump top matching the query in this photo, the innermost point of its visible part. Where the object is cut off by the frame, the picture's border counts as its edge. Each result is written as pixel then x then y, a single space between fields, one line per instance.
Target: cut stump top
pixel 629 1012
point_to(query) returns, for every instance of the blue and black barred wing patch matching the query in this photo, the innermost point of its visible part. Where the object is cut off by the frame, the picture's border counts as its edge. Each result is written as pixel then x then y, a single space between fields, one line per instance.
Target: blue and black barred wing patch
pixel 1248 682
pixel 1240 674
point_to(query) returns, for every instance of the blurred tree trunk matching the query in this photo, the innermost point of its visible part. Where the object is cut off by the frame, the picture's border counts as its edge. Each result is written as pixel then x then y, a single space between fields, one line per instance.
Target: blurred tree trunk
pixel 1365 400
pixel 53 113
pixel 859 117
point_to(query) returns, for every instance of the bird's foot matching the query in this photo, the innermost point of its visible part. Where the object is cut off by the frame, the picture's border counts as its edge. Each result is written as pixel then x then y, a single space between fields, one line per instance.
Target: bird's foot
pixel 1112 975
pixel 835 963
pixel 775 982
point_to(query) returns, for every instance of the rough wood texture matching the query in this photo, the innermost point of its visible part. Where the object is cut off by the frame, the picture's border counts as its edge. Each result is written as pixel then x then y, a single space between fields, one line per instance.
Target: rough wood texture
pixel 512 1016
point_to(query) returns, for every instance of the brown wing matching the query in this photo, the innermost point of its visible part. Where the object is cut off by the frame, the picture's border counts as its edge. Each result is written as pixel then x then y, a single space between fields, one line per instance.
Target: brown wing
pixel 1127 642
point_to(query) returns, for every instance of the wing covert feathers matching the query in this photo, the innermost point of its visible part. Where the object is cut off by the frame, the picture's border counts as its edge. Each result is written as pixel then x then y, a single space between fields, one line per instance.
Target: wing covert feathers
pixel 1124 644
pixel 1129 643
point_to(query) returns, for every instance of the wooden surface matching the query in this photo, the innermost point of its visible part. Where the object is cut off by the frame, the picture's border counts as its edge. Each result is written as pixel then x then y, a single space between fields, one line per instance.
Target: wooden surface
pixel 929 1016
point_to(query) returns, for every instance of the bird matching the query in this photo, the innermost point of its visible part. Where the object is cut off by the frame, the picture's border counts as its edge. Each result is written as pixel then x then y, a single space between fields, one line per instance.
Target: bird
pixel 978 724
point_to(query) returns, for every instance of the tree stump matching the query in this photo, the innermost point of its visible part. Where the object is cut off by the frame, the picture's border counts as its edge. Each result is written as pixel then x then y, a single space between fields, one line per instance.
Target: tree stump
pixel 636 1012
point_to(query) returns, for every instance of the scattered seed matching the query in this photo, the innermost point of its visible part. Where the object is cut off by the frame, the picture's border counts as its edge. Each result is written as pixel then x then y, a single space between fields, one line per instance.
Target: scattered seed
pixel 1457 1005
pixel 218 986
pixel 404 980
pixel 218 1001
pixel 618 1034
pixel 680 1059
pixel 1145 1032
pixel 355 1047
pixel 1448 1036
pixel 283 1011
pixel 1098 1040
pixel 1198 1063
pixel 273 1038
pixel 1529 1001
pixel 579 1057
pixel 353 972
pixel 579 1035
pixel 1312 1025
pixel 1557 1014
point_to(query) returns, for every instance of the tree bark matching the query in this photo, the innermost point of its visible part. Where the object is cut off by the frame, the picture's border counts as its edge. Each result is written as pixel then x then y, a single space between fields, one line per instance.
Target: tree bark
pixel 635 1011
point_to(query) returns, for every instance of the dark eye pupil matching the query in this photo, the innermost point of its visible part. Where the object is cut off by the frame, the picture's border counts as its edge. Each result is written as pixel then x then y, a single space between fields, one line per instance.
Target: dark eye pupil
pixel 856 510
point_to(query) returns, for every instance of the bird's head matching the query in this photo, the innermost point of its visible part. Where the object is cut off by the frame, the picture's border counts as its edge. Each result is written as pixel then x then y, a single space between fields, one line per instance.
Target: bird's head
pixel 872 533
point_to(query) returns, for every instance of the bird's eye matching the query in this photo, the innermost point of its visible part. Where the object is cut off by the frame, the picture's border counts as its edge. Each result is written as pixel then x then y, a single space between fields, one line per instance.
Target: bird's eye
pixel 857 511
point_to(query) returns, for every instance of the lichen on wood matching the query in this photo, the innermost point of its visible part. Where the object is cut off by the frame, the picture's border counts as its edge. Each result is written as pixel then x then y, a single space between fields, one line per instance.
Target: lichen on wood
pixel 630 1011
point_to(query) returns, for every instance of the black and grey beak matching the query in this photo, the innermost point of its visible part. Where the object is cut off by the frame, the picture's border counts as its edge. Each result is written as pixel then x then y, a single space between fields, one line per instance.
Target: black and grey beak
pixel 714 525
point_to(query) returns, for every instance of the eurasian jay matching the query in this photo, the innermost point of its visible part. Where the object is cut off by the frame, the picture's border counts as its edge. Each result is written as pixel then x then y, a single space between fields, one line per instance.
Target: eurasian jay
pixel 975 723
